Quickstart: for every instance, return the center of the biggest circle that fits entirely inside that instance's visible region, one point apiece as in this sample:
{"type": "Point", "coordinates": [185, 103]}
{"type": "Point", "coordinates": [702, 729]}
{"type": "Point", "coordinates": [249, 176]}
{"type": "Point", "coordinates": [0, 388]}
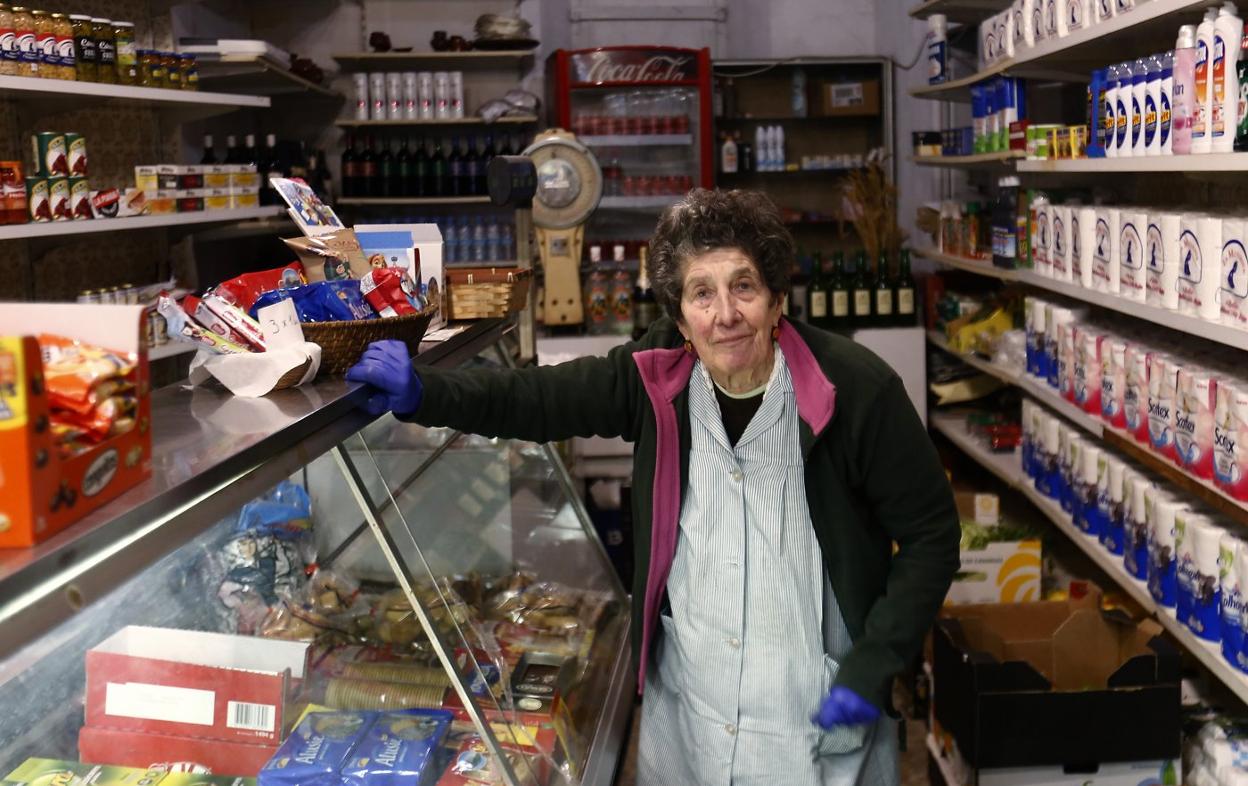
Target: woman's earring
{"type": "Point", "coordinates": [775, 332]}
{"type": "Point", "coordinates": [688, 346]}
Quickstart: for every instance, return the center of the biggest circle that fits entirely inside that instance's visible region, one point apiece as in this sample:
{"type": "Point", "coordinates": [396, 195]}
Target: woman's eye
{"type": "Point", "coordinates": [745, 286]}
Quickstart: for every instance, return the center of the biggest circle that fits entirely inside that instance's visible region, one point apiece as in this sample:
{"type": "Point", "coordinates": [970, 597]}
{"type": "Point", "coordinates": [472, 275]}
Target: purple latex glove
{"type": "Point", "coordinates": [387, 369]}
{"type": "Point", "coordinates": [843, 707]}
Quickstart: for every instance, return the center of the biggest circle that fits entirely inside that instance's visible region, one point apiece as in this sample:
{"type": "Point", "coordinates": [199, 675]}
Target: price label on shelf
{"type": "Point", "coordinates": [280, 324]}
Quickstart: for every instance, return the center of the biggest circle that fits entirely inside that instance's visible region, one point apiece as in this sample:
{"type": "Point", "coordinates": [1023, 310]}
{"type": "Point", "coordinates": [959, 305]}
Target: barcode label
{"type": "Point", "coordinates": [252, 717]}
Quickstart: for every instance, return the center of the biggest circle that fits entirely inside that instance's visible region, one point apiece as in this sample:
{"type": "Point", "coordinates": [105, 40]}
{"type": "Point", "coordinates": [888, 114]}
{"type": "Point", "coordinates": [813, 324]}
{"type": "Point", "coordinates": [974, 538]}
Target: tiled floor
{"type": "Point", "coordinates": [913, 759]}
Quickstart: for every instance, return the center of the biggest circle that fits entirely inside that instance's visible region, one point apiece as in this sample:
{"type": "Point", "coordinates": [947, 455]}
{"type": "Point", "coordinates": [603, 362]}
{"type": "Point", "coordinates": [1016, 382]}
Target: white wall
{"type": "Point", "coordinates": [792, 28]}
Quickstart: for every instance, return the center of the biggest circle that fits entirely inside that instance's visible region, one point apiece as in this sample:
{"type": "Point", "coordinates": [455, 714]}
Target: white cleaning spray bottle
{"type": "Point", "coordinates": [1202, 141]}
{"type": "Point", "coordinates": [1228, 30]}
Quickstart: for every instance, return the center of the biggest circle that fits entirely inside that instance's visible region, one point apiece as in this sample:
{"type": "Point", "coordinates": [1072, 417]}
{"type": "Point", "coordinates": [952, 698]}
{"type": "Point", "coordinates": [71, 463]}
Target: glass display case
{"type": "Point", "coordinates": [345, 567]}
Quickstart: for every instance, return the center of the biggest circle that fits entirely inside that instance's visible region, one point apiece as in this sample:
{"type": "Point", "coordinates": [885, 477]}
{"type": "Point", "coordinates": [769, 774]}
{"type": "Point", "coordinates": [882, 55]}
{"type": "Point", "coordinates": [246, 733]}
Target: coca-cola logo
{"type": "Point", "coordinates": [606, 66]}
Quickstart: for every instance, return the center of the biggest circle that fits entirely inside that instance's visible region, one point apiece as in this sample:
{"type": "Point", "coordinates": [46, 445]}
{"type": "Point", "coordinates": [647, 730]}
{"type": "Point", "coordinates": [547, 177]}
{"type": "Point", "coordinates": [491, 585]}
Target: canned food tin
{"type": "Point", "coordinates": [411, 96]}
{"type": "Point", "coordinates": [361, 96]}
{"type": "Point", "coordinates": [424, 94]}
{"type": "Point", "coordinates": [76, 147]}
{"type": "Point", "coordinates": [80, 199]}
{"type": "Point", "coordinates": [88, 296]}
{"type": "Point", "coordinates": [162, 329]}
{"type": "Point", "coordinates": [377, 96]}
{"type": "Point", "coordinates": [1059, 143]}
{"type": "Point", "coordinates": [50, 154]}
{"type": "Point", "coordinates": [129, 295]}
{"type": "Point", "coordinates": [37, 202]}
{"type": "Point", "coordinates": [107, 296]}
{"type": "Point", "coordinates": [58, 198]}
{"type": "Point", "coordinates": [394, 96]}
{"type": "Point", "coordinates": [149, 330]}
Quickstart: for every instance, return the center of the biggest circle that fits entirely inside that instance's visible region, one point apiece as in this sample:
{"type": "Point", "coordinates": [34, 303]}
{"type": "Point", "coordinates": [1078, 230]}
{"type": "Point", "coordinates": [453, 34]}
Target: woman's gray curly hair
{"type": "Point", "coordinates": [706, 220]}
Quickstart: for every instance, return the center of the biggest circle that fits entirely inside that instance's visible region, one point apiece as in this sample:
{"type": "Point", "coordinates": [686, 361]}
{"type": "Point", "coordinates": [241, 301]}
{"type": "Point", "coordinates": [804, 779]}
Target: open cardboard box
{"type": "Point", "coordinates": [194, 684]}
{"type": "Point", "coordinates": [1054, 683]}
{"type": "Point", "coordinates": [1000, 572]}
{"type": "Point", "coordinates": [41, 493]}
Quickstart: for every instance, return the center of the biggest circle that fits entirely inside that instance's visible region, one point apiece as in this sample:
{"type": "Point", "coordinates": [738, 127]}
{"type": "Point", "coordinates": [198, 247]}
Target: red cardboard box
{"type": "Point", "coordinates": [40, 492]}
{"type": "Point", "coordinates": [193, 684]}
{"type": "Point", "coordinates": [141, 749]}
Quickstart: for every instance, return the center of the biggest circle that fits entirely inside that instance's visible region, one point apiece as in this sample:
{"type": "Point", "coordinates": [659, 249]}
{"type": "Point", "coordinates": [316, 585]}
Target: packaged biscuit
{"type": "Point", "coordinates": [324, 301]}
{"type": "Point", "coordinates": [317, 750]}
{"type": "Point", "coordinates": [183, 328]}
{"type": "Point", "coordinates": [398, 749]}
{"type": "Point", "coordinates": [243, 290]}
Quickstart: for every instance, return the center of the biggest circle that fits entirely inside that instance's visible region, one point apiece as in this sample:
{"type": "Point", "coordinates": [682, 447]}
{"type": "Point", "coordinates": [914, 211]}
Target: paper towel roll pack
{"type": "Point", "coordinates": [1161, 386]}
{"type": "Point", "coordinates": [1113, 381]}
{"type": "Point", "coordinates": [1106, 266]}
{"type": "Point", "coordinates": [1195, 400]}
{"type": "Point", "coordinates": [1230, 437]}
{"type": "Point", "coordinates": [1132, 278]}
{"type": "Point", "coordinates": [1233, 294]}
{"type": "Point", "coordinates": [1200, 266]}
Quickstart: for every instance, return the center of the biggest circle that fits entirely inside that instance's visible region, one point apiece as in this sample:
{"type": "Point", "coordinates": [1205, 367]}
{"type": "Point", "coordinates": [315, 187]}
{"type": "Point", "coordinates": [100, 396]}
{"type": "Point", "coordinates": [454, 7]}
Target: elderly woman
{"type": "Point", "coordinates": [775, 467]}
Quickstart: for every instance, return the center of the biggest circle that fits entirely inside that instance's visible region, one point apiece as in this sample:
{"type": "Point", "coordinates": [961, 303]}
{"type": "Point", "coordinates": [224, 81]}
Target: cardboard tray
{"type": "Point", "coordinates": [1056, 683]}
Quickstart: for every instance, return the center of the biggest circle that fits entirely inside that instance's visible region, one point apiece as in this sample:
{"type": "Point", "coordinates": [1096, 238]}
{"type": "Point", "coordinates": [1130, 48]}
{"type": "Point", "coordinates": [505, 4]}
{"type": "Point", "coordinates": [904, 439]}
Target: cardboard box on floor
{"type": "Point", "coordinates": [1054, 683]}
{"type": "Point", "coordinates": [1001, 572]}
{"type": "Point", "coordinates": [1164, 773]}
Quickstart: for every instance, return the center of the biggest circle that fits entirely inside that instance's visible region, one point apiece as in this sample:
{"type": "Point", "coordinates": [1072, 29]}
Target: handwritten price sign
{"type": "Point", "coordinates": [280, 324]}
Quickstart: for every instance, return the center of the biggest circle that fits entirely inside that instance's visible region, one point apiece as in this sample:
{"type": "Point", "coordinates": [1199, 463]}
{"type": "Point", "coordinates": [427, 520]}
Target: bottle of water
{"type": "Point", "coordinates": [450, 241]}
{"type": "Point", "coordinates": [506, 243]}
{"type": "Point", "coordinates": [462, 238]}
{"type": "Point", "coordinates": [478, 240]}
{"type": "Point", "coordinates": [492, 237]}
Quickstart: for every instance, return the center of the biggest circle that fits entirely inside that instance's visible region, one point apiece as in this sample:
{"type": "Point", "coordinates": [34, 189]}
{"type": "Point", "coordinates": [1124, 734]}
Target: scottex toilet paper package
{"type": "Point", "coordinates": [1088, 368]}
{"type": "Point", "coordinates": [1230, 430]}
{"type": "Point", "coordinates": [1162, 373]}
{"type": "Point", "coordinates": [1135, 546]}
{"type": "Point", "coordinates": [1162, 255]}
{"type": "Point", "coordinates": [1131, 255]}
{"type": "Point", "coordinates": [1230, 549]}
{"type": "Point", "coordinates": [1195, 400]}
{"type": "Point", "coordinates": [1162, 583]}
{"type": "Point", "coordinates": [1066, 360]}
{"type": "Point", "coordinates": [1200, 266]}
{"type": "Point", "coordinates": [1105, 267]}
{"type": "Point", "coordinates": [1114, 381]}
{"type": "Point", "coordinates": [1233, 297]}
{"type": "Point", "coordinates": [1135, 391]}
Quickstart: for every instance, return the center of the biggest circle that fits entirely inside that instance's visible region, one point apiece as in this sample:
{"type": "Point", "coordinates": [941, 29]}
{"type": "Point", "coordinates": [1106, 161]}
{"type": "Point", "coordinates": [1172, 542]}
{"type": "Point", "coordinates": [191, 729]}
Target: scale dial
{"type": "Point", "coordinates": [569, 181]}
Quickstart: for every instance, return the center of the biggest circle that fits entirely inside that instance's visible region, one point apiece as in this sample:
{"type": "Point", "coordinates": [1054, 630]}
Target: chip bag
{"type": "Point", "coordinates": [324, 301]}
{"type": "Point", "coordinates": [243, 290]}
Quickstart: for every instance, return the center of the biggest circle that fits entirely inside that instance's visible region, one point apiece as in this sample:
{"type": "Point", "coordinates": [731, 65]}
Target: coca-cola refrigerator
{"type": "Point", "coordinates": [645, 111]}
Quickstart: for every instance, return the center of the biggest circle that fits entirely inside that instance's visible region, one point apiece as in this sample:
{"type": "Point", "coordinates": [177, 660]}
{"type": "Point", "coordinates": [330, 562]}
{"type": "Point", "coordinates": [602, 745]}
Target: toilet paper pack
{"type": "Point", "coordinates": [1052, 28]}
{"type": "Point", "coordinates": [1162, 371]}
{"type": "Point", "coordinates": [1105, 267]}
{"type": "Point", "coordinates": [1204, 584]}
{"type": "Point", "coordinates": [1071, 462]}
{"type": "Point", "coordinates": [1113, 381]}
{"type": "Point", "coordinates": [1055, 319]}
{"type": "Point", "coordinates": [1195, 401]}
{"type": "Point", "coordinates": [1088, 369]}
{"type": "Point", "coordinates": [1162, 256]}
{"type": "Point", "coordinates": [1110, 502]}
{"type": "Point", "coordinates": [1135, 545]}
{"type": "Point", "coordinates": [1233, 297]}
{"type": "Point", "coordinates": [1027, 447]}
{"type": "Point", "coordinates": [1131, 273]}
{"type": "Point", "coordinates": [1084, 256]}
{"type": "Point", "coordinates": [1051, 471]}
{"type": "Point", "coordinates": [1041, 236]}
{"type": "Point", "coordinates": [1230, 549]}
{"type": "Point", "coordinates": [1135, 391]}
{"type": "Point", "coordinates": [1065, 232]}
{"type": "Point", "coordinates": [1073, 16]}
{"type": "Point", "coordinates": [1200, 266]}
{"type": "Point", "coordinates": [1087, 515]}
{"type": "Point", "coordinates": [1162, 583]}
{"type": "Point", "coordinates": [1066, 360]}
{"type": "Point", "coordinates": [1230, 437]}
{"type": "Point", "coordinates": [1184, 563]}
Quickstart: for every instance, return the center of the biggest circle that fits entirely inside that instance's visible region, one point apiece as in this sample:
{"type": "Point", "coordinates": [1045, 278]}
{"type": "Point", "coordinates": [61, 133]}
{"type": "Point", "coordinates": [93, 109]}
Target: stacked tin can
{"type": "Point", "coordinates": [58, 190]}
{"type": "Point", "coordinates": [409, 95]}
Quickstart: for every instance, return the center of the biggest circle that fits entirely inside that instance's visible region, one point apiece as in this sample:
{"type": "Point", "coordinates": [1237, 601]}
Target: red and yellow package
{"type": "Point", "coordinates": [79, 375]}
{"type": "Point", "coordinates": [389, 291]}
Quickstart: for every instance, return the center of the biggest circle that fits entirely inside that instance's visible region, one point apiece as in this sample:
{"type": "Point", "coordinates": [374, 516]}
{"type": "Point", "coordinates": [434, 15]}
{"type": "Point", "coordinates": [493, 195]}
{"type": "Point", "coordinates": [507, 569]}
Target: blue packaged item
{"type": "Point", "coordinates": [1068, 483]}
{"type": "Point", "coordinates": [398, 749]}
{"type": "Point", "coordinates": [978, 118]}
{"type": "Point", "coordinates": [1162, 580]}
{"type": "Point", "coordinates": [1096, 113]}
{"type": "Point", "coordinates": [1113, 532]}
{"type": "Point", "coordinates": [1167, 84]}
{"type": "Point", "coordinates": [1139, 76]}
{"type": "Point", "coordinates": [1135, 548]}
{"type": "Point", "coordinates": [324, 301]}
{"type": "Point", "coordinates": [1122, 109]}
{"type": "Point", "coordinates": [283, 512]}
{"type": "Point", "coordinates": [317, 750]}
{"type": "Point", "coordinates": [1050, 356]}
{"type": "Point", "coordinates": [1232, 628]}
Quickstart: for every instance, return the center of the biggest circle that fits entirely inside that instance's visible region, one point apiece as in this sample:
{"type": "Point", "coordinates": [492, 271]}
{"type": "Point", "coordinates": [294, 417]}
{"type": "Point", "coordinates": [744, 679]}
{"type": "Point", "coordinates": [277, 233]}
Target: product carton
{"type": "Point", "coordinates": [138, 749]}
{"type": "Point", "coordinates": [993, 571]}
{"type": "Point", "coordinates": [40, 492]}
{"type": "Point", "coordinates": [843, 99]}
{"type": "Point", "coordinates": [1054, 683]}
{"type": "Point", "coordinates": [192, 684]}
{"type": "Point", "coordinates": [1164, 772]}
{"type": "Point", "coordinates": [425, 268]}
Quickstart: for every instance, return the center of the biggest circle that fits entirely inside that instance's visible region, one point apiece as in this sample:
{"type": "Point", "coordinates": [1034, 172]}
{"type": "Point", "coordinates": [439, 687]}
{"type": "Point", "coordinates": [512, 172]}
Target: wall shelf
{"type": "Point", "coordinates": [67, 228]}
{"type": "Point", "coordinates": [381, 201]}
{"type": "Point", "coordinates": [1205, 162]}
{"type": "Point", "coordinates": [431, 61]}
{"type": "Point", "coordinates": [1006, 158]}
{"type": "Point", "coordinates": [1192, 326]}
{"type": "Point", "coordinates": [1072, 58]}
{"type": "Point", "coordinates": [57, 94]}
{"type": "Point", "coordinates": [959, 10]}
{"type": "Point", "coordinates": [636, 140]}
{"type": "Point", "coordinates": [258, 76]}
{"type": "Point", "coordinates": [1008, 467]}
{"type": "Point", "coordinates": [459, 121]}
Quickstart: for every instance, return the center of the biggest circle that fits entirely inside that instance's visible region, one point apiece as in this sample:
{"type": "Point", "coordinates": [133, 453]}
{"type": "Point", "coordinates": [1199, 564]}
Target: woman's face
{"type": "Point", "coordinates": [727, 313]}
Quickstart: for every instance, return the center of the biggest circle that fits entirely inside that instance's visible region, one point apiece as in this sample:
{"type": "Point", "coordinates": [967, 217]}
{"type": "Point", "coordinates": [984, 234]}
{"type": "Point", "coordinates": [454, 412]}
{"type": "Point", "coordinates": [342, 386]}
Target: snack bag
{"type": "Point", "coordinates": [226, 319]}
{"type": "Point", "coordinates": [390, 291]}
{"type": "Point", "coordinates": [316, 751]}
{"type": "Point", "coordinates": [324, 301]}
{"type": "Point", "coordinates": [183, 328]}
{"type": "Point", "coordinates": [243, 290]}
{"type": "Point", "coordinates": [398, 749]}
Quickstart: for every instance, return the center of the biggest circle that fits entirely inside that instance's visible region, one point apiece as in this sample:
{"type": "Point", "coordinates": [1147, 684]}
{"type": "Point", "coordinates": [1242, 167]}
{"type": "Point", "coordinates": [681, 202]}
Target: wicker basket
{"type": "Point", "coordinates": [484, 292]}
{"type": "Point", "coordinates": [342, 343]}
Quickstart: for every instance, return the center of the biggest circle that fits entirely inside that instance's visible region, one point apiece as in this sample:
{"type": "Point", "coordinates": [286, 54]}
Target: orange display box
{"type": "Point", "coordinates": [41, 493]}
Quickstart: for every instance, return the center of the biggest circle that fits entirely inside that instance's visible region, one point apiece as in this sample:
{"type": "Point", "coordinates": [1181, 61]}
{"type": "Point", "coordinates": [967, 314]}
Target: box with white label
{"type": "Point", "coordinates": [192, 684]}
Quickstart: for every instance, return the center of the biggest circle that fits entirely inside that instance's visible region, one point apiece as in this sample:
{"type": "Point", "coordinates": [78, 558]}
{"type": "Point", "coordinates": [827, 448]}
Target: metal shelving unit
{"type": "Point", "coordinates": [430, 61]}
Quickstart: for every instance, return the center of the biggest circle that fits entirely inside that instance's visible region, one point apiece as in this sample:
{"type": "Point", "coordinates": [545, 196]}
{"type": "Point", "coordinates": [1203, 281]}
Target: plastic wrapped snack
{"type": "Point", "coordinates": [225, 319]}
{"type": "Point", "coordinates": [184, 328]}
{"type": "Point", "coordinates": [347, 694]}
{"type": "Point", "coordinates": [324, 301]}
{"type": "Point", "coordinates": [390, 291]}
{"type": "Point", "coordinates": [91, 392]}
{"type": "Point", "coordinates": [326, 610]}
{"type": "Point", "coordinates": [317, 750]}
{"type": "Point", "coordinates": [243, 290]}
{"type": "Point", "coordinates": [399, 749]}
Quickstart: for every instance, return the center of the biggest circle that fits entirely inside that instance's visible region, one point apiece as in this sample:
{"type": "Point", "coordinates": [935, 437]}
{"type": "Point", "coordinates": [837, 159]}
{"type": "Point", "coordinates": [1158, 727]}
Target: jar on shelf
{"type": "Point", "coordinates": [86, 54]}
{"type": "Point", "coordinates": [64, 45]}
{"type": "Point", "coordinates": [8, 42]}
{"type": "Point", "coordinates": [189, 67]}
{"type": "Point", "coordinates": [45, 45]}
{"type": "Point", "coordinates": [172, 70]}
{"type": "Point", "coordinates": [106, 50]}
{"type": "Point", "coordinates": [147, 67]}
{"type": "Point", "coordinates": [127, 59]}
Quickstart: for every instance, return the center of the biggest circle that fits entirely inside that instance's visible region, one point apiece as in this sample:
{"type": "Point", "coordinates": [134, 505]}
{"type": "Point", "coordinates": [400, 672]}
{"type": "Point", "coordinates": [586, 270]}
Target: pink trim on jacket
{"type": "Point", "coordinates": [665, 373]}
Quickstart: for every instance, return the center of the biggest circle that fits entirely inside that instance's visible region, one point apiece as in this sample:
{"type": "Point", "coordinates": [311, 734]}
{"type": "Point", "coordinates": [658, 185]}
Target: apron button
{"type": "Point", "coordinates": [731, 729]}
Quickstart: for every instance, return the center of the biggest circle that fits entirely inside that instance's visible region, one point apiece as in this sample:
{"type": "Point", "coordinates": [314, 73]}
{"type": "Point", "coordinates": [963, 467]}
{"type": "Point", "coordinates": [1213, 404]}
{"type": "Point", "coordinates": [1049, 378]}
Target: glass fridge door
{"type": "Point", "coordinates": [502, 573]}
